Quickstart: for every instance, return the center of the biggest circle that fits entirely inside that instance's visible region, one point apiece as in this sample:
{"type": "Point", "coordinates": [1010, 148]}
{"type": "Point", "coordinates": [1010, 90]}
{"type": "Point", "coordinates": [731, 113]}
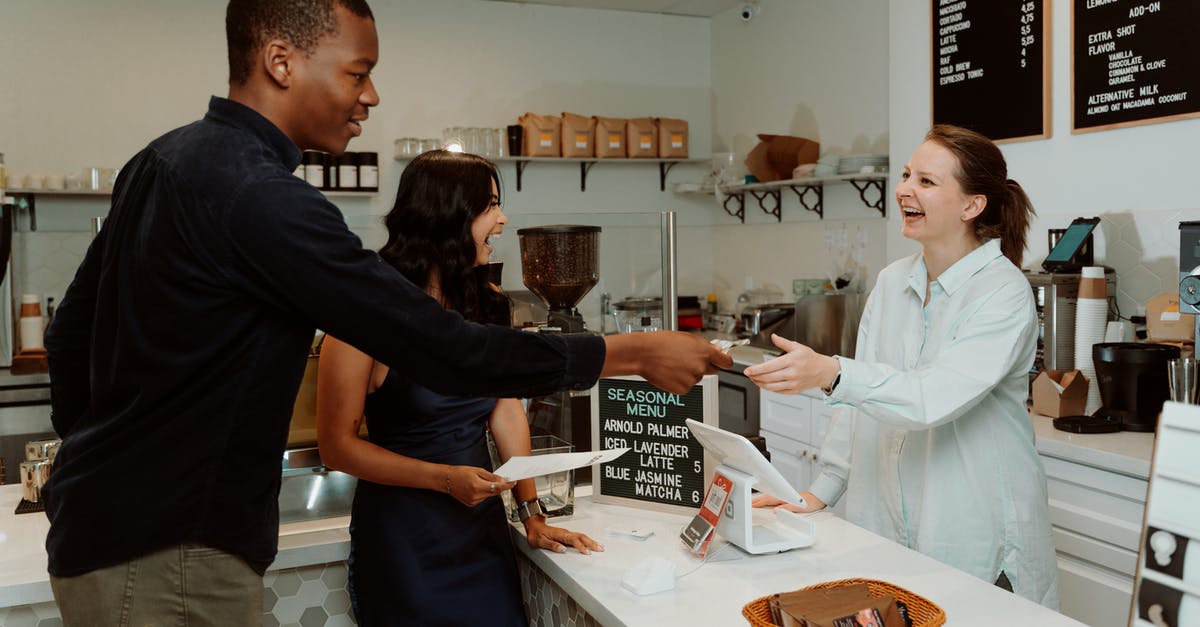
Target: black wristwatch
{"type": "Point", "coordinates": [529, 508]}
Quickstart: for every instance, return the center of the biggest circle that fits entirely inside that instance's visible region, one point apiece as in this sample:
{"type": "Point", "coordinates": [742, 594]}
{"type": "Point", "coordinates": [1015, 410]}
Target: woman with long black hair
{"type": "Point", "coordinates": [429, 540]}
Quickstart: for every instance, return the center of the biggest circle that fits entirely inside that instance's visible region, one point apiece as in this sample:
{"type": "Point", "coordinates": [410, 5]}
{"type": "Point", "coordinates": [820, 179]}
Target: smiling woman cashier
{"type": "Point", "coordinates": [931, 442]}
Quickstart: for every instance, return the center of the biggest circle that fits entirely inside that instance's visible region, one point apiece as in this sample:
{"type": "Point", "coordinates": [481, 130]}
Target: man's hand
{"type": "Point", "coordinates": [671, 360]}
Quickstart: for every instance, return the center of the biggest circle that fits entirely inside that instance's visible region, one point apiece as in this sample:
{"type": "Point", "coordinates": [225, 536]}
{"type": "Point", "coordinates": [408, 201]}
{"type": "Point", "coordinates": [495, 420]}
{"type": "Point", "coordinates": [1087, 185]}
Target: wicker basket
{"type": "Point", "coordinates": [922, 611]}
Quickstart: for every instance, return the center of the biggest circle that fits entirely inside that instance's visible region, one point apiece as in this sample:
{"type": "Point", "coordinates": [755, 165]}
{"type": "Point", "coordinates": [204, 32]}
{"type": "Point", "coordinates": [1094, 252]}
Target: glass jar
{"type": "Point", "coordinates": [500, 136]}
{"type": "Point", "coordinates": [407, 147]}
{"type": "Point", "coordinates": [471, 140]}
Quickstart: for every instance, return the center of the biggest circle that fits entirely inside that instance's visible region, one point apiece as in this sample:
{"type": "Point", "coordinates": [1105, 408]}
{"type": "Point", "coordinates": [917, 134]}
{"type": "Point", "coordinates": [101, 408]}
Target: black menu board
{"type": "Point", "coordinates": [665, 467]}
{"type": "Point", "coordinates": [1133, 62]}
{"type": "Point", "coordinates": [990, 67]}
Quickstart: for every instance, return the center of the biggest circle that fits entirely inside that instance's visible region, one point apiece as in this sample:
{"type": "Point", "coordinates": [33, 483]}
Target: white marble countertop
{"type": "Point", "coordinates": [1124, 452]}
{"type": "Point", "coordinates": [714, 592]}
{"type": "Point", "coordinates": [23, 578]}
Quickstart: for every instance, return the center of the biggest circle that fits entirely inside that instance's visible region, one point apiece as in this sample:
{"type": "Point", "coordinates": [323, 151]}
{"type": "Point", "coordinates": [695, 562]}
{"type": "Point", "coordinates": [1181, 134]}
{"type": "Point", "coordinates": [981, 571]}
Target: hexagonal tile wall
{"type": "Point", "coordinates": [309, 596]}
{"type": "Point", "coordinates": [38, 615]}
{"type": "Point", "coordinates": [546, 604]}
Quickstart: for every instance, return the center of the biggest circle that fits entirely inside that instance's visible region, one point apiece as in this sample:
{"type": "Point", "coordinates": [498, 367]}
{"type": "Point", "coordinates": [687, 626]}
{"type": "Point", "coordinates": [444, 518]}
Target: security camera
{"type": "Point", "coordinates": [748, 10]}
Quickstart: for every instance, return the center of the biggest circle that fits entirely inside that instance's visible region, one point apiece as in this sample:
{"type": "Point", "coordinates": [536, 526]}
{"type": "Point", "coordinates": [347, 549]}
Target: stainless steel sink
{"type": "Point", "coordinates": [310, 491]}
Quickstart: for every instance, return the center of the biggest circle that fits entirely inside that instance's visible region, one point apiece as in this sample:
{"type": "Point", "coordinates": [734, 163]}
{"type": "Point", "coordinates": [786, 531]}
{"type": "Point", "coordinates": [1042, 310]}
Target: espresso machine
{"type": "Point", "coordinates": [1189, 272]}
{"type": "Point", "coordinates": [559, 264]}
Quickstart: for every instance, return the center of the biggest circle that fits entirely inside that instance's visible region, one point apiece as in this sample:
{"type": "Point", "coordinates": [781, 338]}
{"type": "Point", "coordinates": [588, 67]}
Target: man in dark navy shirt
{"type": "Point", "coordinates": [178, 349]}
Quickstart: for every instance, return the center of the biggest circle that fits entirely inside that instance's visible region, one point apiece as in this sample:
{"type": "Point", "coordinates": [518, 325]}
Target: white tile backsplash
{"type": "Point", "coordinates": [44, 262]}
{"type": "Point", "coordinates": [1141, 246]}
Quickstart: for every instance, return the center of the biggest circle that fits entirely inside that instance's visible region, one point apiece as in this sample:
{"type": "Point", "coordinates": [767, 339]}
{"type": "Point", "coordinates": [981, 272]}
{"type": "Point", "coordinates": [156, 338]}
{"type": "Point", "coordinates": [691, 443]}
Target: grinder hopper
{"type": "Point", "coordinates": [560, 264]}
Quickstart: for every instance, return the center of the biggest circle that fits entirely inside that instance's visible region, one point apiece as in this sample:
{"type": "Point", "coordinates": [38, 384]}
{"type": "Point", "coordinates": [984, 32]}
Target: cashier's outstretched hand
{"type": "Point", "coordinates": [557, 539]}
{"type": "Point", "coordinates": [812, 503]}
{"type": "Point", "coordinates": [671, 360]}
{"type": "Point", "coordinates": [799, 368]}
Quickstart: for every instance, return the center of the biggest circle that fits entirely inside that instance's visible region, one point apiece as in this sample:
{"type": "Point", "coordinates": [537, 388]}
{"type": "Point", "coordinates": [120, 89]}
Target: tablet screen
{"type": "Point", "coordinates": [1070, 242]}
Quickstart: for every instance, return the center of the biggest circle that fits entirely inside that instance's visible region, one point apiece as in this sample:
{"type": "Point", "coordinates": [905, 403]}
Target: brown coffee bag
{"type": "Point", "coordinates": [543, 135]}
{"type": "Point", "coordinates": [776, 156]}
{"type": "Point", "coordinates": [672, 138]}
{"type": "Point", "coordinates": [578, 136]}
{"type": "Point", "coordinates": [610, 137]}
{"type": "Point", "coordinates": [641, 136]}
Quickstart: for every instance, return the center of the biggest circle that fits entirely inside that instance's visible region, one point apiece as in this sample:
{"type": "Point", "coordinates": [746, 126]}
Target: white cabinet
{"type": "Point", "coordinates": [794, 426]}
{"type": "Point", "coordinates": [1097, 519]}
{"type": "Point", "coordinates": [1168, 587]}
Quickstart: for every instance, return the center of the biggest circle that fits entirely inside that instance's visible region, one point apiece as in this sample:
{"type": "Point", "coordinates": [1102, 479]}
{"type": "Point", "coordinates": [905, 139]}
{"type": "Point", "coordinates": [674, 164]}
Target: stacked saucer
{"type": "Point", "coordinates": [860, 164]}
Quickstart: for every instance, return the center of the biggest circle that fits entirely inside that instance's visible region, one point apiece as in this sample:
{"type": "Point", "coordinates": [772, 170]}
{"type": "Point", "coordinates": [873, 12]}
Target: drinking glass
{"type": "Point", "coordinates": [1181, 374]}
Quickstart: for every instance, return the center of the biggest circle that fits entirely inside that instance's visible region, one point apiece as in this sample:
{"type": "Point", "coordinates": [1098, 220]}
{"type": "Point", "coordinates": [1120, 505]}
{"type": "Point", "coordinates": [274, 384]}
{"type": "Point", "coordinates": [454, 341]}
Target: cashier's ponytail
{"type": "Point", "coordinates": [983, 171]}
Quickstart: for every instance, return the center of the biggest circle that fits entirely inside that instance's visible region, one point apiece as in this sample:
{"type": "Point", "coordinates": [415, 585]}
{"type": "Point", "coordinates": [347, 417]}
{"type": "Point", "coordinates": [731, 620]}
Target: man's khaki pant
{"type": "Point", "coordinates": [182, 585]}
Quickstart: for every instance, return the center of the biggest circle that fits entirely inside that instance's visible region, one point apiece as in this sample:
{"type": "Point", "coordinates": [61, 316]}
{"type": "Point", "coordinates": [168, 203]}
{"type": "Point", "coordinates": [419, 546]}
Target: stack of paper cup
{"type": "Point", "coordinates": [1091, 322]}
{"type": "Point", "coordinates": [30, 324]}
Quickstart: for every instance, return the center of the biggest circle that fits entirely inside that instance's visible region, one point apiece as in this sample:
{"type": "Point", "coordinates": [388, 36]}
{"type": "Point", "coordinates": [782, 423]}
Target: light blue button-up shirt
{"type": "Point", "coordinates": [931, 417]}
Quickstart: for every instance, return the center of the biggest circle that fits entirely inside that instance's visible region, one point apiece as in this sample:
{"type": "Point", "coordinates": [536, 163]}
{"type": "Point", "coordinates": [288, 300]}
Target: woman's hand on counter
{"type": "Point", "coordinates": [556, 539]}
{"type": "Point", "coordinates": [814, 503]}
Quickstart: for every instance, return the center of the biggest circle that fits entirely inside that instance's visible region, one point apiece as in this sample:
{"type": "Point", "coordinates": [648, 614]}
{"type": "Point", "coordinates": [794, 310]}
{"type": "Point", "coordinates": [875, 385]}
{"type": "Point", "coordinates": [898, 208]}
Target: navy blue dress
{"type": "Point", "coordinates": [421, 557]}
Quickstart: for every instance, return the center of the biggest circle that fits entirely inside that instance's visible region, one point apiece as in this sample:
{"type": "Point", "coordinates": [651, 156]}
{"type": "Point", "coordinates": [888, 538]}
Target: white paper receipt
{"type": "Point", "coordinates": [521, 467]}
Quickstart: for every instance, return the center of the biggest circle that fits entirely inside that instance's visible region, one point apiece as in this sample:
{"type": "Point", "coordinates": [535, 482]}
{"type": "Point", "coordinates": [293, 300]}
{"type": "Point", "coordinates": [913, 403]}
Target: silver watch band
{"type": "Point", "coordinates": [530, 508]}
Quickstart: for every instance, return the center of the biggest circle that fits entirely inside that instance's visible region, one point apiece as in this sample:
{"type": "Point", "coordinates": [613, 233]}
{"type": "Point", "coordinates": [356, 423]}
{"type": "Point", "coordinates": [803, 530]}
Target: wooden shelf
{"type": "Point", "coordinates": [585, 165]}
{"type": "Point", "coordinates": [26, 197]}
{"type": "Point", "coordinates": [108, 192]}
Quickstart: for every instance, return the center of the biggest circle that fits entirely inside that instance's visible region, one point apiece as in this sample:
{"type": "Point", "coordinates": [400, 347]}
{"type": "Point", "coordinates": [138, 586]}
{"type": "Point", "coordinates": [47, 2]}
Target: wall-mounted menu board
{"type": "Point", "coordinates": [990, 67]}
{"type": "Point", "coordinates": [666, 467]}
{"type": "Point", "coordinates": [1133, 62]}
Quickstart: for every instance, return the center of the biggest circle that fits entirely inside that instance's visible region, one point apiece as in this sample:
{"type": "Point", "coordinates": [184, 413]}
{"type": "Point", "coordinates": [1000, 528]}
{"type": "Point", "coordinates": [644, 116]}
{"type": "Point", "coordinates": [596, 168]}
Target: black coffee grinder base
{"type": "Point", "coordinates": [565, 320]}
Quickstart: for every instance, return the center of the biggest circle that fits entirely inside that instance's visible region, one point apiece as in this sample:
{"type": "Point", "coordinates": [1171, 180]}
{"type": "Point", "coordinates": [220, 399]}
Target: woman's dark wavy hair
{"type": "Point", "coordinates": [429, 230]}
{"type": "Point", "coordinates": [982, 170]}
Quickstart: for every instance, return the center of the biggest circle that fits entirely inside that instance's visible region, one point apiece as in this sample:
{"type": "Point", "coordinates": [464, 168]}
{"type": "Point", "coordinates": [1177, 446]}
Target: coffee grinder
{"type": "Point", "coordinates": [559, 264]}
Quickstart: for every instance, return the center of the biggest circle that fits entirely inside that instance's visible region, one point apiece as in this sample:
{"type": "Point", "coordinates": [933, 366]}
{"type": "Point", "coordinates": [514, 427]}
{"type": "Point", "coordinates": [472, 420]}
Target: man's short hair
{"type": "Point", "coordinates": [250, 24]}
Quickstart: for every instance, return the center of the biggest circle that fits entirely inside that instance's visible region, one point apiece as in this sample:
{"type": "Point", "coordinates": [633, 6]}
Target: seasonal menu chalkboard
{"type": "Point", "coordinates": [990, 68]}
{"type": "Point", "coordinates": [1134, 62]}
{"type": "Point", "coordinates": [665, 467]}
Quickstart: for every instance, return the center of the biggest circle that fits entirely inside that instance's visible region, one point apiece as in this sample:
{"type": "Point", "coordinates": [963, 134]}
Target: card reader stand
{"type": "Point", "coordinates": [783, 532]}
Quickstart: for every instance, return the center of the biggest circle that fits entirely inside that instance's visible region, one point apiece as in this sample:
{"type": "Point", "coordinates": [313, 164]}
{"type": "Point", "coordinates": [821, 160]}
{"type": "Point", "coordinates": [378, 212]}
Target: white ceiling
{"type": "Point", "coordinates": [698, 8]}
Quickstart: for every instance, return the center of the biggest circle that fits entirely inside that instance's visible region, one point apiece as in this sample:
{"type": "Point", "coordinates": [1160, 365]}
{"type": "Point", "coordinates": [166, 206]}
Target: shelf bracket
{"type": "Point", "coordinates": [520, 171]}
{"type": "Point", "coordinates": [584, 168]}
{"type": "Point", "coordinates": [862, 187]}
{"type": "Point", "coordinates": [817, 206]}
{"type": "Point", "coordinates": [775, 195]}
{"type": "Point", "coordinates": [740, 214]}
{"type": "Point", "coordinates": [663, 168]}
{"type": "Point", "coordinates": [25, 201]}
